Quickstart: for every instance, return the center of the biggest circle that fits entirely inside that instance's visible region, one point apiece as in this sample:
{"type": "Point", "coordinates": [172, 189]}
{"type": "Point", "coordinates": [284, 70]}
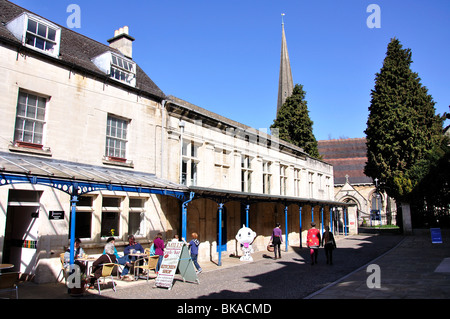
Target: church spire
{"type": "Point", "coordinates": [285, 84]}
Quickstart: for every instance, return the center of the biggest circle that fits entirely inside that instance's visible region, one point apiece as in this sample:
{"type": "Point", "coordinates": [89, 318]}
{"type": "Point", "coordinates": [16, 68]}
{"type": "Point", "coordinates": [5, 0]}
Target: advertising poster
{"type": "Point", "coordinates": [169, 264]}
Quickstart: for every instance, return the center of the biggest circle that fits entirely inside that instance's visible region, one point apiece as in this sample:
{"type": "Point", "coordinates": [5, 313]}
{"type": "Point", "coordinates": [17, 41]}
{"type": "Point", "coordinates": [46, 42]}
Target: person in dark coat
{"type": "Point", "coordinates": [329, 243]}
{"type": "Point", "coordinates": [97, 266]}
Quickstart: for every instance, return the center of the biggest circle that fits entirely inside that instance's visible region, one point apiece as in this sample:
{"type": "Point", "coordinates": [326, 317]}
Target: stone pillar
{"type": "Point", "coordinates": [406, 217]}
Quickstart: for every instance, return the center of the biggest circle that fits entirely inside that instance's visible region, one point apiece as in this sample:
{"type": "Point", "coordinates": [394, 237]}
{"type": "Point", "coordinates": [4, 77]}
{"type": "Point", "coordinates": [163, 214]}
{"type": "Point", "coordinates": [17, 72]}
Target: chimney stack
{"type": "Point", "coordinates": [123, 42]}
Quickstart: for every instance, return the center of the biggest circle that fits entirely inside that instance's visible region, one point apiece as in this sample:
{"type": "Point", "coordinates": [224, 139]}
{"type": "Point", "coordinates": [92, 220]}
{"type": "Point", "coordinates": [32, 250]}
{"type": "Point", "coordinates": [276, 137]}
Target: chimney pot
{"type": "Point", "coordinates": [122, 41]}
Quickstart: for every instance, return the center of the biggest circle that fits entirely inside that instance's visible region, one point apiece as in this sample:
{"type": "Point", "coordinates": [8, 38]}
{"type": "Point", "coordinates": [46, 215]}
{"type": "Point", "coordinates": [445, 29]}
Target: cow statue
{"type": "Point", "coordinates": [245, 237]}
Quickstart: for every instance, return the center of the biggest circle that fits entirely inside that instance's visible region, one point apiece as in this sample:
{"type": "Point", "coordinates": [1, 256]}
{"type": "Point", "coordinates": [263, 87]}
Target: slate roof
{"type": "Point", "coordinates": [348, 157]}
{"type": "Point", "coordinates": [76, 51]}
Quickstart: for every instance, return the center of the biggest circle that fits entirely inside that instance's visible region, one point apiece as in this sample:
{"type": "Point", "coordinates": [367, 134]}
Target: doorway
{"type": "Point", "coordinates": [21, 230]}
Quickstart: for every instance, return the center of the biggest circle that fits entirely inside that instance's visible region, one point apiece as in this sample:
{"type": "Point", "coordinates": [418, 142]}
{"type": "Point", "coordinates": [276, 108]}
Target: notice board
{"type": "Point", "coordinates": [176, 256]}
{"type": "Point", "coordinates": [436, 237]}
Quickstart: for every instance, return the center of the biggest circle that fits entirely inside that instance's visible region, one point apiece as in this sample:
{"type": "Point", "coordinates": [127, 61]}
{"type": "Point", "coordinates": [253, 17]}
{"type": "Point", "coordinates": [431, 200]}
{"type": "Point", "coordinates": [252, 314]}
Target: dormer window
{"type": "Point", "coordinates": [117, 67]}
{"type": "Point", "coordinates": [41, 36]}
{"type": "Point", "coordinates": [122, 69]}
{"type": "Point", "coordinates": [36, 33]}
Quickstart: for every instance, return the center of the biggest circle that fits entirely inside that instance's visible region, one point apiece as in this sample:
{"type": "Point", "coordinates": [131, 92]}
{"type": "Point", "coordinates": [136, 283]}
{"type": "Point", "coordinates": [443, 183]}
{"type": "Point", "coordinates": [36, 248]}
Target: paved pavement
{"type": "Point", "coordinates": [410, 267]}
{"type": "Point", "coordinates": [415, 269]}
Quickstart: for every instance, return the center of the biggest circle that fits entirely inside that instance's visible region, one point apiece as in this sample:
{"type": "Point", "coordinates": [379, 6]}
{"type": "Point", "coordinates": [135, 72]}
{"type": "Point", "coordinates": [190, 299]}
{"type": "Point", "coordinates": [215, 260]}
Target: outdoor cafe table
{"type": "Point", "coordinates": [6, 266]}
{"type": "Point", "coordinates": [87, 260]}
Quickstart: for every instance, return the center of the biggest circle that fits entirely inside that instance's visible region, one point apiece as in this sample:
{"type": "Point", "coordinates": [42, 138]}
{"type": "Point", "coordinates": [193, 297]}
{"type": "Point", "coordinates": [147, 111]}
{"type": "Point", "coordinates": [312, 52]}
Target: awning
{"type": "Point", "coordinates": [76, 179]}
{"type": "Point", "coordinates": [223, 196]}
{"type": "Point", "coordinates": [15, 168]}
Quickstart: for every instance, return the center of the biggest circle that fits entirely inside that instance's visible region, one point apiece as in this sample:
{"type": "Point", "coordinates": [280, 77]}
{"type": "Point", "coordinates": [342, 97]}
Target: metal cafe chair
{"type": "Point", "coordinates": [106, 272]}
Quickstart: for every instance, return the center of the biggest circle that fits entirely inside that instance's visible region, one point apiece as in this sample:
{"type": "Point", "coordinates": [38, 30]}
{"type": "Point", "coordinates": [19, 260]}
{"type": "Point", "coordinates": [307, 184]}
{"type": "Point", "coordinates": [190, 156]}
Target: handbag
{"type": "Point", "coordinates": [270, 248]}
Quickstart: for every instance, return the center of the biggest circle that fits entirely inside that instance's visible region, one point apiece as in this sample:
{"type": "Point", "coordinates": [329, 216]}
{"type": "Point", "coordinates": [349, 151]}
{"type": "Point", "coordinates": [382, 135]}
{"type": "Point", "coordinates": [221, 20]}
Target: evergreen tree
{"type": "Point", "coordinates": [402, 128]}
{"type": "Point", "coordinates": [294, 124]}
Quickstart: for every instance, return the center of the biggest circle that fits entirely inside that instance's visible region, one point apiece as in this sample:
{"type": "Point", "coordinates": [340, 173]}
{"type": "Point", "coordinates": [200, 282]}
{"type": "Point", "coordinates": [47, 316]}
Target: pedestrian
{"type": "Point", "coordinates": [277, 239]}
{"type": "Point", "coordinates": [329, 244]}
{"type": "Point", "coordinates": [158, 242]}
{"type": "Point", "coordinates": [193, 246]}
{"type": "Point", "coordinates": [313, 242]}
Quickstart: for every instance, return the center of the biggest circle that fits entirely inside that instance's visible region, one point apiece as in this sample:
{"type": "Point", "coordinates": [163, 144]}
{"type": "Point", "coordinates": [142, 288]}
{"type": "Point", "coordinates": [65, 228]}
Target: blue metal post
{"type": "Point", "coordinates": [73, 201]}
{"type": "Point", "coordinates": [312, 213]}
{"type": "Point", "coordinates": [247, 208]}
{"type": "Point", "coordinates": [321, 217]}
{"type": "Point", "coordinates": [286, 226]}
{"type": "Point", "coordinates": [219, 241]}
{"type": "Point", "coordinates": [345, 221]}
{"type": "Point", "coordinates": [184, 215]}
{"type": "Point", "coordinates": [300, 224]}
{"type": "Point", "coordinates": [331, 218]}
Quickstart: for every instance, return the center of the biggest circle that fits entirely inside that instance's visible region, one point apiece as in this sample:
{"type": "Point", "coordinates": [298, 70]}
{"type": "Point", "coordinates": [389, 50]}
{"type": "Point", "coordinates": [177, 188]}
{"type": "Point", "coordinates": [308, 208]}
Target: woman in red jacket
{"type": "Point", "coordinates": [313, 242]}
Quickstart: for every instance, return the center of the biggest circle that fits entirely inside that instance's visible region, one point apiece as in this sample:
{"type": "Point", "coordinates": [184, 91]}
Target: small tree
{"type": "Point", "coordinates": [294, 124]}
{"type": "Point", "coordinates": [403, 131]}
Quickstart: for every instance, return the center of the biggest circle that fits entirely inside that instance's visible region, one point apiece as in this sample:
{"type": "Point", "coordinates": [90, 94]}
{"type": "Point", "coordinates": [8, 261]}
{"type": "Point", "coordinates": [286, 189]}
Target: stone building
{"type": "Point", "coordinates": [351, 185]}
{"type": "Point", "coordinates": [91, 147]}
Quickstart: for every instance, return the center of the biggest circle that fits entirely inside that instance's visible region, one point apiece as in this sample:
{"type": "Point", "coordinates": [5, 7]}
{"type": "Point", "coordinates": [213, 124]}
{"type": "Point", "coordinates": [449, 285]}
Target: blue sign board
{"type": "Point", "coordinates": [436, 237]}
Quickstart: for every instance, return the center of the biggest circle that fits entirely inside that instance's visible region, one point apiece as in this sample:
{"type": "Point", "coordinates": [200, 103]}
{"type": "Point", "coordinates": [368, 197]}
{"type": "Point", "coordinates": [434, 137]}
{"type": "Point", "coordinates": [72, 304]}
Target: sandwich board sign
{"type": "Point", "coordinates": [436, 237]}
{"type": "Point", "coordinates": [176, 256]}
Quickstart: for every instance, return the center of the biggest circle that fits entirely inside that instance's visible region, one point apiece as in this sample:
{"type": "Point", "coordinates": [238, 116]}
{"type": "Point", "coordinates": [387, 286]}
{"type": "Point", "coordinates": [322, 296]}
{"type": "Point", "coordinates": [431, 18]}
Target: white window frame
{"type": "Point", "coordinates": [189, 163]}
{"type": "Point", "coordinates": [311, 184]}
{"type": "Point", "coordinates": [283, 179]}
{"type": "Point", "coordinates": [28, 120]}
{"type": "Point", "coordinates": [123, 69]}
{"type": "Point", "coordinates": [137, 210]}
{"type": "Point", "coordinates": [267, 177]}
{"type": "Point", "coordinates": [246, 173]}
{"type": "Point", "coordinates": [222, 166]}
{"type": "Point", "coordinates": [116, 137]}
{"type": "Point", "coordinates": [112, 210]}
{"type": "Point", "coordinates": [19, 28]}
{"type": "Point", "coordinates": [297, 181]}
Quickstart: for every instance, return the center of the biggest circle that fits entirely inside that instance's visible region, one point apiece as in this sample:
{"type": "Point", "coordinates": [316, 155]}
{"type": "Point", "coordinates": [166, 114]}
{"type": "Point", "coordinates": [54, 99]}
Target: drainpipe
{"type": "Point", "coordinates": [184, 215]}
{"type": "Point", "coordinates": [163, 121]}
{"type": "Point", "coordinates": [181, 125]}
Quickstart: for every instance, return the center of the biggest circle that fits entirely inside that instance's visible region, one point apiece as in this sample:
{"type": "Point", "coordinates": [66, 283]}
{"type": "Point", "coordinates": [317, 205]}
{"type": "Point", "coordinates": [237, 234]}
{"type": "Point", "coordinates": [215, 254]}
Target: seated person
{"type": "Point", "coordinates": [79, 252]}
{"type": "Point", "coordinates": [112, 241]}
{"type": "Point", "coordinates": [97, 266]}
{"type": "Point", "coordinates": [127, 259]}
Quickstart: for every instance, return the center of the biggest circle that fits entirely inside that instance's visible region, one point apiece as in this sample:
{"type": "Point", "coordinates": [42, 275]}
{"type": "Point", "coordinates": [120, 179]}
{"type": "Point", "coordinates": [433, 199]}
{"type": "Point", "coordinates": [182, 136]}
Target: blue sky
{"type": "Point", "coordinates": [225, 55]}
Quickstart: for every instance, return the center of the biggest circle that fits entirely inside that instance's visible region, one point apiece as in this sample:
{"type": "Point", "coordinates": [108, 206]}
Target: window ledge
{"type": "Point", "coordinates": [30, 148]}
{"type": "Point", "coordinates": [115, 161]}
